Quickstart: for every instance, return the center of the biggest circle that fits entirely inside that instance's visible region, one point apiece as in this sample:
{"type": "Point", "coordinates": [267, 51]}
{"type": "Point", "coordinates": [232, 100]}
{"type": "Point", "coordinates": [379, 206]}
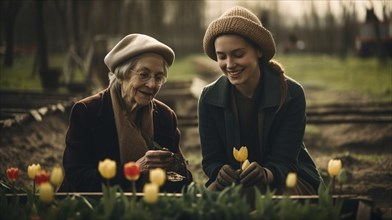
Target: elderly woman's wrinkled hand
{"type": "Point", "coordinates": [156, 159]}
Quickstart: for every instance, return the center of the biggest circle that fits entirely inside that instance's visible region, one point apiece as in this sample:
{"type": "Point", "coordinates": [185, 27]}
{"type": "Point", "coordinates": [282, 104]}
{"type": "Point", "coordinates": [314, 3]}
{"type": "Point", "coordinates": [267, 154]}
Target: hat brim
{"type": "Point", "coordinates": [241, 26]}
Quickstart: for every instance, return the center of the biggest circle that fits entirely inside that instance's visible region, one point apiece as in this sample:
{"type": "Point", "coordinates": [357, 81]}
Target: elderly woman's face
{"type": "Point", "coordinates": [145, 80]}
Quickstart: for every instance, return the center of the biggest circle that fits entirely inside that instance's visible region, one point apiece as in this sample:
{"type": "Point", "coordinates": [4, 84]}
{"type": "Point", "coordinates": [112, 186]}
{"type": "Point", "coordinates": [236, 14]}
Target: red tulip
{"type": "Point", "coordinates": [41, 177]}
{"type": "Point", "coordinates": [12, 174]}
{"type": "Point", "coordinates": [131, 171]}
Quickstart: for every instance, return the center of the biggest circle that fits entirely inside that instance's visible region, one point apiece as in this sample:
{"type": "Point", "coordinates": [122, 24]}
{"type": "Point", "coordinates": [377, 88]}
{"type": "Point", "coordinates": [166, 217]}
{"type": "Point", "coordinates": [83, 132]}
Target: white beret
{"type": "Point", "coordinates": [136, 44]}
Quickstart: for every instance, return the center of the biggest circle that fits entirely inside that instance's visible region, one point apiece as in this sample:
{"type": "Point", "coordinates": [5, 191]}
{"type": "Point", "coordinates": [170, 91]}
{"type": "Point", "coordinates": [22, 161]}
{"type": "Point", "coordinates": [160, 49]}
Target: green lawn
{"type": "Point", "coordinates": [366, 76]}
{"type": "Point", "coordinates": [20, 76]}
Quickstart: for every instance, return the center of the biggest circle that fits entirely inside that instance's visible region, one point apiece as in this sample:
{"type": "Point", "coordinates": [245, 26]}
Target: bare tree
{"type": "Point", "coordinates": [349, 28]}
{"type": "Point", "coordinates": [315, 28]}
{"type": "Point", "coordinates": [9, 11]}
{"type": "Point", "coordinates": [42, 52]}
{"type": "Point", "coordinates": [330, 32]}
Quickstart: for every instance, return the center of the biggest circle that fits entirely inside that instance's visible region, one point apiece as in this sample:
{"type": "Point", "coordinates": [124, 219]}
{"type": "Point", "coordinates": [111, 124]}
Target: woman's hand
{"type": "Point", "coordinates": [226, 177]}
{"type": "Point", "coordinates": [156, 159]}
{"type": "Point", "coordinates": [254, 174]}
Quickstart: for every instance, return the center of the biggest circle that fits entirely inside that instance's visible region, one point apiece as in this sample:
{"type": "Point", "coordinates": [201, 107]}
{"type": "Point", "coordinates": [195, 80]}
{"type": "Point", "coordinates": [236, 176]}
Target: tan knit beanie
{"type": "Point", "coordinates": [241, 21]}
{"type": "Point", "coordinates": [136, 44]}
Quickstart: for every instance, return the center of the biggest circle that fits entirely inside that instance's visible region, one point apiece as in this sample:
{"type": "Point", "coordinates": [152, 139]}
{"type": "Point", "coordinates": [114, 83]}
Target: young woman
{"type": "Point", "coordinates": [253, 104]}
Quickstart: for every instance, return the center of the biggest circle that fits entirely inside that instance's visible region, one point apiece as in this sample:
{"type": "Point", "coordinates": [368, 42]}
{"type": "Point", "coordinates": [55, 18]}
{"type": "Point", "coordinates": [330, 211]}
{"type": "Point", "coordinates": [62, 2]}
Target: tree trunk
{"type": "Point", "coordinates": [49, 78]}
{"type": "Point", "coordinates": [41, 39]}
{"type": "Point", "coordinates": [9, 46]}
{"type": "Point", "coordinates": [10, 10]}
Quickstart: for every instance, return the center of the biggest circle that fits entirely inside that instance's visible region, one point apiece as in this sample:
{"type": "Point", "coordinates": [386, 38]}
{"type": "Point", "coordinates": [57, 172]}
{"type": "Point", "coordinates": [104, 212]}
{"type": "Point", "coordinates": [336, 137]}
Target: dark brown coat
{"type": "Point", "coordinates": [92, 137]}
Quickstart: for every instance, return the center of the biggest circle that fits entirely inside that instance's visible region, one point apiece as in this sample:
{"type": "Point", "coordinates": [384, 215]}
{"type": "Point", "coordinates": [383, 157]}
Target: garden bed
{"type": "Point", "coordinates": [113, 204]}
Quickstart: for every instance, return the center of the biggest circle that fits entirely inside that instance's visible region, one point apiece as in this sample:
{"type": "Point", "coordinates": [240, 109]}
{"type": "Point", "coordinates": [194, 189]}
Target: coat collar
{"type": "Point", "coordinates": [218, 92]}
{"type": "Point", "coordinates": [105, 111]}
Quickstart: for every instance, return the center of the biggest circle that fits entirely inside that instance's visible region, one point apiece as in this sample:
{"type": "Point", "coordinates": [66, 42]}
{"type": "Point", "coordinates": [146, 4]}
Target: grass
{"type": "Point", "coordinates": [365, 76]}
{"type": "Point", "coordinates": [374, 158]}
{"type": "Point", "coordinates": [20, 76]}
{"type": "Point", "coordinates": [183, 69]}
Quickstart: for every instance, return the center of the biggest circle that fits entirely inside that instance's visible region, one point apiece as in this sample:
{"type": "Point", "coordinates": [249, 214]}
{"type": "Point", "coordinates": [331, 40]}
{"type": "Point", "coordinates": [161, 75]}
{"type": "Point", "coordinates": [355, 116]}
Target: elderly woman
{"type": "Point", "coordinates": [125, 122]}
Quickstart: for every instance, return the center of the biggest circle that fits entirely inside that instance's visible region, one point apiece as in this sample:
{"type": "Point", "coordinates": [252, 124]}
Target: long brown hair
{"type": "Point", "coordinates": [278, 69]}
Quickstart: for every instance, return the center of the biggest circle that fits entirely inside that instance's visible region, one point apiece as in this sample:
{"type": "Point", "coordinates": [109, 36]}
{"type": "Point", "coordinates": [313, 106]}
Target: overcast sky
{"type": "Point", "coordinates": [296, 8]}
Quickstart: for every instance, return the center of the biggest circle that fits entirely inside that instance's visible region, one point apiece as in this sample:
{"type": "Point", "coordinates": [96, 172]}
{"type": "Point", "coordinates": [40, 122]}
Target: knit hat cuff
{"type": "Point", "coordinates": [241, 26]}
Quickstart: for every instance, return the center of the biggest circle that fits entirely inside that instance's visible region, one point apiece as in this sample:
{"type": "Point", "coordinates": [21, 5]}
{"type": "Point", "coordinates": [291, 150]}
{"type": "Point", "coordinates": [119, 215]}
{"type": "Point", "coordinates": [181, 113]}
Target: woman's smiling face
{"type": "Point", "coordinates": [237, 58]}
{"type": "Point", "coordinates": [144, 81]}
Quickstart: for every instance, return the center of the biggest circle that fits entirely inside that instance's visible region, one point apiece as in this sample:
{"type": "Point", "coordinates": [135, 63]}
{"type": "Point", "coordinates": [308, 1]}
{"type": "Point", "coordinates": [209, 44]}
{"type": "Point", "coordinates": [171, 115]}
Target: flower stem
{"type": "Point", "coordinates": [340, 189]}
{"type": "Point", "coordinates": [333, 185]}
{"type": "Point", "coordinates": [134, 189]}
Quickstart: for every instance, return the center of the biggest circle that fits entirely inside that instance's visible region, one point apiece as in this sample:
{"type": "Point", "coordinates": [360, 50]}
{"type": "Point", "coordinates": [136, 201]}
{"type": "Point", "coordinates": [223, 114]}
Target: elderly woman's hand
{"type": "Point", "coordinates": [156, 158]}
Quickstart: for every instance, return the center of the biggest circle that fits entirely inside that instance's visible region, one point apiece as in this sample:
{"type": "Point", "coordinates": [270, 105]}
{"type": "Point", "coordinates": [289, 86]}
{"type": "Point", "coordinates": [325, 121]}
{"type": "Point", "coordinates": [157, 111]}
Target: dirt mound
{"type": "Point", "coordinates": [34, 142]}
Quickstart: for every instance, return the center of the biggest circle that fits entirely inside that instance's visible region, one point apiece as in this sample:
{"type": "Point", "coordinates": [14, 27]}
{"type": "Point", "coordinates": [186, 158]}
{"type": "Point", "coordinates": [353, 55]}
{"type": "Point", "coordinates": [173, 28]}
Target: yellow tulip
{"type": "Point", "coordinates": [57, 176]}
{"type": "Point", "coordinates": [32, 170]}
{"type": "Point", "coordinates": [157, 176]}
{"type": "Point", "coordinates": [334, 167]}
{"type": "Point", "coordinates": [291, 180]}
{"type": "Point", "coordinates": [107, 168]}
{"type": "Point", "coordinates": [240, 155]}
{"type": "Point", "coordinates": [46, 192]}
{"type": "Point", "coordinates": [245, 165]}
{"type": "Point", "coordinates": [151, 193]}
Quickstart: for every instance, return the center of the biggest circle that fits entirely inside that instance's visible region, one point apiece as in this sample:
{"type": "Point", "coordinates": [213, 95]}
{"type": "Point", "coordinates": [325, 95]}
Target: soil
{"type": "Point", "coordinates": [365, 151]}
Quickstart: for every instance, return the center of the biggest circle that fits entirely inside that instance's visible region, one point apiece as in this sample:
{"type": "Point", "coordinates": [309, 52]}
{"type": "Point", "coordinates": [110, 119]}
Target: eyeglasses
{"type": "Point", "coordinates": [145, 76]}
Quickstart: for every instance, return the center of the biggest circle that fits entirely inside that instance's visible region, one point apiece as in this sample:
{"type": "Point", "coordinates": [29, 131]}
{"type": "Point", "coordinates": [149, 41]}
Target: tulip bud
{"type": "Point", "coordinates": [291, 180]}
{"type": "Point", "coordinates": [151, 193]}
{"type": "Point", "coordinates": [334, 167]}
{"type": "Point", "coordinates": [32, 170]}
{"type": "Point", "coordinates": [342, 177]}
{"type": "Point", "coordinates": [157, 176]}
{"type": "Point", "coordinates": [46, 192]}
{"type": "Point", "coordinates": [240, 155]}
{"type": "Point", "coordinates": [107, 168]}
{"type": "Point", "coordinates": [131, 171]}
{"type": "Point", "coordinates": [41, 177]}
{"type": "Point", "coordinates": [245, 165]}
{"type": "Point", "coordinates": [57, 176]}
{"type": "Point", "coordinates": [12, 174]}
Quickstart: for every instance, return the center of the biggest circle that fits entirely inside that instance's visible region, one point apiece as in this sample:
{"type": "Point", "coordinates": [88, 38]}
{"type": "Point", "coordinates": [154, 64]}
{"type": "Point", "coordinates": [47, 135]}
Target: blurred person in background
{"type": "Point", "coordinates": [253, 104]}
{"type": "Point", "coordinates": [126, 123]}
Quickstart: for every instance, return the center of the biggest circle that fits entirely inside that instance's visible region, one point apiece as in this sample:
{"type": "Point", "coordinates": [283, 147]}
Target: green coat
{"type": "Point", "coordinates": [282, 150]}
